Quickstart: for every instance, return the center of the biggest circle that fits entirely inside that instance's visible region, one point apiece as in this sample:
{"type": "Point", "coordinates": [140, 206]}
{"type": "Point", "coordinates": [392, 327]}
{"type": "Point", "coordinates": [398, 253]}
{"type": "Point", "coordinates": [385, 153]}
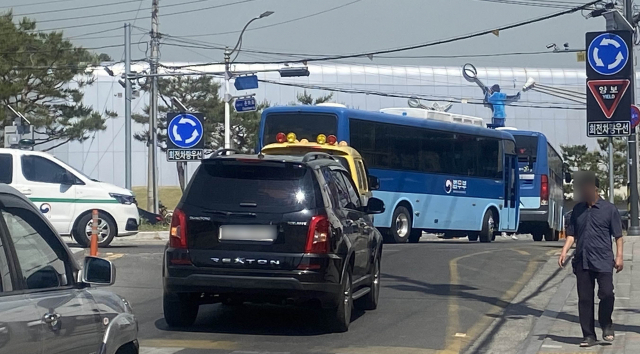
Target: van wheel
{"type": "Point", "coordinates": [180, 310]}
{"type": "Point", "coordinates": [537, 236]}
{"type": "Point", "coordinates": [340, 317]}
{"type": "Point", "coordinates": [106, 230]}
{"type": "Point", "coordinates": [400, 226]}
{"type": "Point", "coordinates": [488, 227]}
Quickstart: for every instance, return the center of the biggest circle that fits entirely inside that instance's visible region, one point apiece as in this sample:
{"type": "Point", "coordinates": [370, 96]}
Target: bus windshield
{"type": "Point", "coordinates": [305, 125]}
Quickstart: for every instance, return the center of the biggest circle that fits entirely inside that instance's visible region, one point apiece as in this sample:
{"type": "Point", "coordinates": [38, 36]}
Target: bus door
{"type": "Point", "coordinates": [511, 191]}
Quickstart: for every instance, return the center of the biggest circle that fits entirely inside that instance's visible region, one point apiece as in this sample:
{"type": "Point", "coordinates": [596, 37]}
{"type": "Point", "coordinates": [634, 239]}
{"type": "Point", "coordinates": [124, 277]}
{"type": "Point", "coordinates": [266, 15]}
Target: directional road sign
{"type": "Point", "coordinates": [246, 82]}
{"type": "Point", "coordinates": [245, 104]}
{"type": "Point", "coordinates": [185, 132]}
{"type": "Point", "coordinates": [608, 54]}
{"type": "Point", "coordinates": [608, 79]}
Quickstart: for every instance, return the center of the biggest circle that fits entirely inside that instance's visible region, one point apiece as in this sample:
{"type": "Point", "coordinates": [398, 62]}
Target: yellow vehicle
{"type": "Point", "coordinates": [349, 157]}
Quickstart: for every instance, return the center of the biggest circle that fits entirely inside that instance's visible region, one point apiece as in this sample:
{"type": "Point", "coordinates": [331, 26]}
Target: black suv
{"type": "Point", "coordinates": [277, 229]}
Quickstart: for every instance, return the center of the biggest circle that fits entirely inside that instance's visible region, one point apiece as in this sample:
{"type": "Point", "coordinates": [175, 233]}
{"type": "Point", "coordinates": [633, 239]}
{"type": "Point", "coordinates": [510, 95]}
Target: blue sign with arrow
{"type": "Point", "coordinates": [185, 131]}
{"type": "Point", "coordinates": [245, 104]}
{"type": "Point", "coordinates": [608, 54]}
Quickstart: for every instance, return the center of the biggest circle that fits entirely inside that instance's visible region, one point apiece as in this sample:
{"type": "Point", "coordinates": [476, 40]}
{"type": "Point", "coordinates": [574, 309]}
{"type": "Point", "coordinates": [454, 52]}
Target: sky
{"type": "Point", "coordinates": [326, 27]}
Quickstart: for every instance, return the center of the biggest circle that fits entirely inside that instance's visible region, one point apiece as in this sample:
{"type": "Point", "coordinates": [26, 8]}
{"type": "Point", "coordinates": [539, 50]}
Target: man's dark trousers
{"type": "Point", "coordinates": [586, 280]}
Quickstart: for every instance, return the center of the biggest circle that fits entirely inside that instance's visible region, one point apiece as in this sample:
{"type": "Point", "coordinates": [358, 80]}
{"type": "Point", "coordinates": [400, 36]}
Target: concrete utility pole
{"type": "Point", "coordinates": [127, 106]}
{"type": "Point", "coordinates": [634, 228]}
{"type": "Point", "coordinates": [152, 180]}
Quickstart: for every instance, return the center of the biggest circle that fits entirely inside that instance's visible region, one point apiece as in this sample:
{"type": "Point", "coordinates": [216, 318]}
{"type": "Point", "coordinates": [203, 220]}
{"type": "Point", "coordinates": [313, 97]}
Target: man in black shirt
{"type": "Point", "coordinates": [592, 223]}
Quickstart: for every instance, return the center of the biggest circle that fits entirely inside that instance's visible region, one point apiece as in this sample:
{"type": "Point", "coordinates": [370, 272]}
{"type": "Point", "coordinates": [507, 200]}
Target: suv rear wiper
{"type": "Point", "coordinates": [230, 213]}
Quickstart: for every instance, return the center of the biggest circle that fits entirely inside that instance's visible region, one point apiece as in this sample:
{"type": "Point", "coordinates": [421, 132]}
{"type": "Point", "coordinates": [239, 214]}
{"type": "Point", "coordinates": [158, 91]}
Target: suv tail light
{"type": "Point", "coordinates": [544, 190]}
{"type": "Point", "coordinates": [318, 236]}
{"type": "Point", "coordinates": [178, 233]}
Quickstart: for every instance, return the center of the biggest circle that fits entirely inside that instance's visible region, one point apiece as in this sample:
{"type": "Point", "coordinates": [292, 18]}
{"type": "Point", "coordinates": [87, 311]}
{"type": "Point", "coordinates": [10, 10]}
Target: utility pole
{"type": "Point", "coordinates": [611, 184]}
{"type": "Point", "coordinates": [152, 180]}
{"type": "Point", "coordinates": [634, 228]}
{"type": "Point", "coordinates": [227, 98]}
{"type": "Point", "coordinates": [127, 106]}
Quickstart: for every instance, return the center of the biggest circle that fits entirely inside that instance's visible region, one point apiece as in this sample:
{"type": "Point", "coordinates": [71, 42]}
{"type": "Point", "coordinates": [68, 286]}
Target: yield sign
{"type": "Point", "coordinates": [608, 94]}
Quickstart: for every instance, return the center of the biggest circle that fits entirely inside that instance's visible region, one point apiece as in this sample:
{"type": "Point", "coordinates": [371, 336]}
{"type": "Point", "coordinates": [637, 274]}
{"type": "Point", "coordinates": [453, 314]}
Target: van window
{"type": "Point", "coordinates": [362, 176]}
{"type": "Point", "coordinates": [39, 169]}
{"type": "Point", "coordinates": [6, 172]}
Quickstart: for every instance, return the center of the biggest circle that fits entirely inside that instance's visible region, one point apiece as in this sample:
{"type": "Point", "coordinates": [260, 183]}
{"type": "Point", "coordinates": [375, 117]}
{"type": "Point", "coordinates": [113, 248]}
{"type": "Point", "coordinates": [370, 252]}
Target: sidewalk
{"type": "Point", "coordinates": [558, 330]}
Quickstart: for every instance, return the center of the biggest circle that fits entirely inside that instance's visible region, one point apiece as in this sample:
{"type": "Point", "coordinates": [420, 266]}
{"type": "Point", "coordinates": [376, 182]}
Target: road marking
{"type": "Point", "coordinates": [551, 346]}
{"type": "Point", "coordinates": [460, 335]}
{"type": "Point", "coordinates": [523, 252]}
{"type": "Point", "coordinates": [189, 344]}
{"type": "Point", "coordinates": [455, 344]}
{"type": "Point", "coordinates": [113, 256]}
{"type": "Point", "coordinates": [160, 350]}
{"type": "Point", "coordinates": [387, 350]}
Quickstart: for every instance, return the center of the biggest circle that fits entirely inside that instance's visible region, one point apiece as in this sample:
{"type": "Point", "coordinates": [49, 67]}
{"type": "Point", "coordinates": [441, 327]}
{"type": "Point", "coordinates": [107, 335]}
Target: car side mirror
{"type": "Point", "coordinates": [567, 177]}
{"type": "Point", "coordinates": [98, 271]}
{"type": "Point", "coordinates": [67, 179]}
{"type": "Point", "coordinates": [375, 206]}
{"type": "Point", "coordinates": [374, 183]}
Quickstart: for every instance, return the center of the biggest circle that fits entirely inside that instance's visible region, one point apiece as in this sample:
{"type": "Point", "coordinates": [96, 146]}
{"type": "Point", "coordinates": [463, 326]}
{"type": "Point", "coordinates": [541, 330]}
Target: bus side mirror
{"type": "Point", "coordinates": [567, 177]}
{"type": "Point", "coordinates": [374, 183]}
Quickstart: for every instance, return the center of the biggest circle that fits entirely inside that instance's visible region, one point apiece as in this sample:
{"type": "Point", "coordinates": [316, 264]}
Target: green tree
{"type": "Point", "coordinates": [42, 75]}
{"type": "Point", "coordinates": [201, 94]}
{"type": "Point", "coordinates": [306, 99]}
{"type": "Point", "coordinates": [578, 157]}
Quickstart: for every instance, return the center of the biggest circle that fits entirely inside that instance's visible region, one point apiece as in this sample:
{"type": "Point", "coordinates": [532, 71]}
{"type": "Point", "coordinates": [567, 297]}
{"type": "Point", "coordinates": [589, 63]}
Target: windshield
{"type": "Point", "coordinates": [304, 125]}
{"type": "Point", "coordinates": [273, 187]}
{"type": "Point", "coordinates": [76, 170]}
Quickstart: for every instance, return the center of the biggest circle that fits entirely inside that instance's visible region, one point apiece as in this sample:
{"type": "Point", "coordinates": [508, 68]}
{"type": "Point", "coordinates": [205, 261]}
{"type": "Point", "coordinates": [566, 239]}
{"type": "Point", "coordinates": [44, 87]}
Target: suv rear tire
{"type": "Point", "coordinates": [180, 310]}
{"type": "Point", "coordinates": [340, 317]}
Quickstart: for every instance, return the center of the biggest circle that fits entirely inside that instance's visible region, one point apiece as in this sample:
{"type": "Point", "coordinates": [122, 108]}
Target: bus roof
{"type": "Point", "coordinates": [393, 119]}
{"type": "Point", "coordinates": [525, 132]}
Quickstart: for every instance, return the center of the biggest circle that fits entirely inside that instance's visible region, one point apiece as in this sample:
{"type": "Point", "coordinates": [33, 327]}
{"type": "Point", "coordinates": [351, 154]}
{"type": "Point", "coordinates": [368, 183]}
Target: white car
{"type": "Point", "coordinates": [66, 197]}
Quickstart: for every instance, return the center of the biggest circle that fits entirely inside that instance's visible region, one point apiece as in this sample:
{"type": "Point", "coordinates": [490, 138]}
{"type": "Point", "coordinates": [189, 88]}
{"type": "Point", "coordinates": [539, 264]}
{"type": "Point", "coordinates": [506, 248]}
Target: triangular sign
{"type": "Point", "coordinates": [608, 94]}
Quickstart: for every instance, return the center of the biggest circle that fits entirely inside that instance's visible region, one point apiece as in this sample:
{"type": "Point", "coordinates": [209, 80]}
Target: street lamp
{"type": "Point", "coordinates": [227, 77]}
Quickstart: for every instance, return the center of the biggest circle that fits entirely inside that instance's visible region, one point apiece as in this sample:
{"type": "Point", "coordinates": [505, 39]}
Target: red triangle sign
{"type": "Point", "coordinates": [608, 94]}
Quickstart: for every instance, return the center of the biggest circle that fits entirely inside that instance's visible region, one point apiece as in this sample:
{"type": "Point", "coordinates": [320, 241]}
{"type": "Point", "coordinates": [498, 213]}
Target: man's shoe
{"type": "Point", "coordinates": [608, 334]}
{"type": "Point", "coordinates": [588, 342]}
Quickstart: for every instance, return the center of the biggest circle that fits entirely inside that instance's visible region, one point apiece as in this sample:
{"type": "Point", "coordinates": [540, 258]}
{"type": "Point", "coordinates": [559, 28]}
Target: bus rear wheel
{"type": "Point", "coordinates": [549, 235]}
{"type": "Point", "coordinates": [401, 226]}
{"type": "Point", "coordinates": [473, 236]}
{"type": "Point", "coordinates": [488, 227]}
{"type": "Point", "coordinates": [537, 236]}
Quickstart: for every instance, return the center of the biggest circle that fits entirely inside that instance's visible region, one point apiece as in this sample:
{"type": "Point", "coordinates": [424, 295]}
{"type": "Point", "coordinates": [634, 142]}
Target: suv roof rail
{"type": "Point", "coordinates": [315, 155]}
{"type": "Point", "coordinates": [223, 152]}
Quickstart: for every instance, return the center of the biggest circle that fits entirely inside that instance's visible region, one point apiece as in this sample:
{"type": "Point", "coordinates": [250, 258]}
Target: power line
{"type": "Point", "coordinates": [132, 19]}
{"type": "Point", "coordinates": [527, 3]}
{"type": "Point", "coordinates": [36, 3]}
{"type": "Point", "coordinates": [423, 45]}
{"type": "Point", "coordinates": [75, 8]}
{"type": "Point", "coordinates": [400, 95]}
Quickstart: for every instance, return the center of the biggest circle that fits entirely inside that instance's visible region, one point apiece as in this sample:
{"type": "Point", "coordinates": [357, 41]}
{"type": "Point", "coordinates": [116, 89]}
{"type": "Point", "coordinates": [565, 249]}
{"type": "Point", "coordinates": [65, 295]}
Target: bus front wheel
{"type": "Point", "coordinates": [401, 226]}
{"type": "Point", "coordinates": [488, 227]}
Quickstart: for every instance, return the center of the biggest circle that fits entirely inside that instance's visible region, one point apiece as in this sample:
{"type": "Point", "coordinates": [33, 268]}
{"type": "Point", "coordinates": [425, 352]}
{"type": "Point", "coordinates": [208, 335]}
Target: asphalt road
{"type": "Point", "coordinates": [436, 297]}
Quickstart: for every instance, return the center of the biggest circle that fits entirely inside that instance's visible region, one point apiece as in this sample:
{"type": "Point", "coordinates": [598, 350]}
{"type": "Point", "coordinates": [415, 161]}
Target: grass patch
{"type": "Point", "coordinates": [169, 196]}
{"type": "Point", "coordinates": [144, 226]}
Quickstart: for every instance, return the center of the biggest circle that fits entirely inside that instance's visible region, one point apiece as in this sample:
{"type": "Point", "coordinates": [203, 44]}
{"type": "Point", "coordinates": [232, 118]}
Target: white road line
{"type": "Point", "coordinates": [551, 346]}
{"type": "Point", "coordinates": [149, 350]}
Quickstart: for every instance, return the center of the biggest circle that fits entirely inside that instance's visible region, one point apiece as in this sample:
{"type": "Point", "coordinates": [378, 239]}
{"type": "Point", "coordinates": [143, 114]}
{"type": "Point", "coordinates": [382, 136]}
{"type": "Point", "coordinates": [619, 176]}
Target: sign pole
{"type": "Point", "coordinates": [611, 184]}
{"type": "Point", "coordinates": [634, 228]}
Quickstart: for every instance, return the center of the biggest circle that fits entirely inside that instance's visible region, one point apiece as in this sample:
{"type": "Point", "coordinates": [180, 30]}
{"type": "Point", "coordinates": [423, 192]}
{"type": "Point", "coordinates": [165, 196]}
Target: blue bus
{"type": "Point", "coordinates": [541, 181]}
{"type": "Point", "coordinates": [434, 176]}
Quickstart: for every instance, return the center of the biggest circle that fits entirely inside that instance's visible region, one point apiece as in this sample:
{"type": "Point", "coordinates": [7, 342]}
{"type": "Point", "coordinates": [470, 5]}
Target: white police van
{"type": "Point", "coordinates": [67, 197]}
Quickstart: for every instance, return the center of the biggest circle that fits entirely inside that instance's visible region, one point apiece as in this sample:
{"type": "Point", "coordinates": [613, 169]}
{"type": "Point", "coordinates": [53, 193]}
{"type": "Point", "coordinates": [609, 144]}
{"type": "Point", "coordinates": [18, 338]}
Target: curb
{"type": "Point", "coordinates": [147, 236]}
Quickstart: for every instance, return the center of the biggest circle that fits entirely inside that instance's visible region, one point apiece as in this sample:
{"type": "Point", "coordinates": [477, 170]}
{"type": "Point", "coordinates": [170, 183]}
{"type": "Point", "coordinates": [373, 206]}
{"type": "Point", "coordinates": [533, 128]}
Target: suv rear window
{"type": "Point", "coordinates": [273, 187]}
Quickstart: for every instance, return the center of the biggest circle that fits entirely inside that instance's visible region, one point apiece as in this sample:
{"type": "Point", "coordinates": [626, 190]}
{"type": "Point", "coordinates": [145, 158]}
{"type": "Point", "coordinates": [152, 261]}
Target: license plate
{"type": "Point", "coordinates": [256, 233]}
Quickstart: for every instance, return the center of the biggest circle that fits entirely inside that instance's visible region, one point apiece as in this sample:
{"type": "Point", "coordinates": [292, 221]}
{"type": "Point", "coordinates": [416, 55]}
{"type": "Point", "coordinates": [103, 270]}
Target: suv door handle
{"type": "Point", "coordinates": [25, 191]}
